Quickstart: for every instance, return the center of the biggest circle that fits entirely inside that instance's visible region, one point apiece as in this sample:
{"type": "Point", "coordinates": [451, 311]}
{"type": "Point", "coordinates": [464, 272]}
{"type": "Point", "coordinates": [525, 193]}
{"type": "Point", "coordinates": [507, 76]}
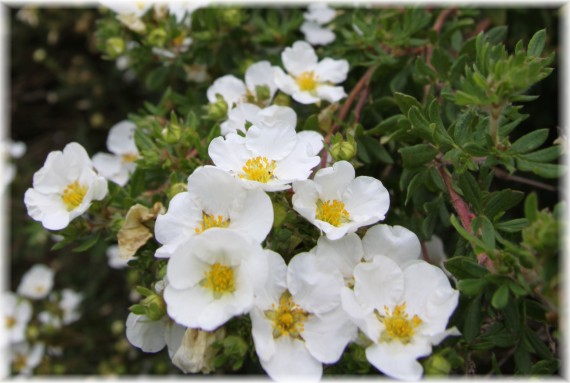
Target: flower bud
{"type": "Point", "coordinates": [542, 235]}
{"type": "Point", "coordinates": [231, 17]}
{"type": "Point", "coordinates": [176, 188]}
{"type": "Point", "coordinates": [172, 133]}
{"type": "Point", "coordinates": [437, 365]}
{"type": "Point", "coordinates": [157, 37]}
{"type": "Point", "coordinates": [342, 150]}
{"type": "Point", "coordinates": [217, 110]}
{"type": "Point", "coordinates": [155, 307]}
{"type": "Point", "coordinates": [262, 92]}
{"type": "Point", "coordinates": [282, 99]}
{"type": "Point", "coordinates": [114, 47]}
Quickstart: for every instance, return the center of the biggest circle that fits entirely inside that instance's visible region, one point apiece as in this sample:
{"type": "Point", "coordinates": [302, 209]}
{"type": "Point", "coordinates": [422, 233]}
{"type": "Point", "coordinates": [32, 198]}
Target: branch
{"type": "Point", "coordinates": [499, 173]}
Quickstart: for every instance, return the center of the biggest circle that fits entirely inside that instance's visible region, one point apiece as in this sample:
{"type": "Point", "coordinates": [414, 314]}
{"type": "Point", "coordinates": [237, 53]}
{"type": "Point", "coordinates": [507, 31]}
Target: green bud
{"type": "Point", "coordinates": [117, 327]}
{"type": "Point", "coordinates": [262, 92]}
{"type": "Point", "coordinates": [437, 365]}
{"type": "Point", "coordinates": [157, 37]}
{"type": "Point", "coordinates": [542, 235]}
{"type": "Point", "coordinates": [172, 133]}
{"type": "Point", "coordinates": [218, 110]}
{"type": "Point", "coordinates": [155, 307]}
{"type": "Point", "coordinates": [114, 47]}
{"type": "Point", "coordinates": [282, 99]}
{"type": "Point", "coordinates": [176, 188]}
{"type": "Point", "coordinates": [32, 332]}
{"type": "Point", "coordinates": [344, 150]}
{"type": "Point", "coordinates": [232, 17]}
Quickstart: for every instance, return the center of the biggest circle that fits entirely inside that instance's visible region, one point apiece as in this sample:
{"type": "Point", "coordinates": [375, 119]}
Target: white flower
{"type": "Point", "coordinates": [270, 156]}
{"type": "Point", "coordinates": [212, 277]}
{"type": "Point", "coordinates": [338, 203]}
{"type": "Point", "coordinates": [114, 259]}
{"type": "Point", "coordinates": [214, 199]}
{"type": "Point", "coordinates": [25, 358]}
{"type": "Point", "coordinates": [178, 47]}
{"type": "Point", "coordinates": [118, 167]}
{"type": "Point", "coordinates": [129, 12]}
{"type": "Point", "coordinates": [152, 335]}
{"type": "Point", "coordinates": [403, 311]}
{"type": "Point", "coordinates": [259, 80]}
{"type": "Point", "coordinates": [64, 188]}
{"type": "Point", "coordinates": [297, 322]}
{"type": "Point", "coordinates": [50, 319]}
{"type": "Point", "coordinates": [316, 34]}
{"type": "Point", "coordinates": [344, 254]}
{"type": "Point", "coordinates": [310, 81]}
{"type": "Point", "coordinates": [17, 314]}
{"type": "Point", "coordinates": [395, 242]}
{"type": "Point", "coordinates": [69, 305]}
{"type": "Point", "coordinates": [37, 282]}
{"type": "Point", "coordinates": [183, 9]}
{"type": "Point", "coordinates": [319, 13]}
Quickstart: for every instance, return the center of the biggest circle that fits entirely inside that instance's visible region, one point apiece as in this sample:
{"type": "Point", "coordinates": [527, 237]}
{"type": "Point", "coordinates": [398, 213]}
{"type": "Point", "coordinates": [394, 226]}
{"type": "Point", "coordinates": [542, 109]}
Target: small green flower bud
{"type": "Point", "coordinates": [232, 17]}
{"type": "Point", "coordinates": [542, 235]}
{"type": "Point", "coordinates": [157, 37]}
{"type": "Point", "coordinates": [172, 133]}
{"type": "Point", "coordinates": [344, 150]}
{"type": "Point", "coordinates": [282, 99]}
{"type": "Point", "coordinates": [262, 92]}
{"type": "Point", "coordinates": [437, 365]}
{"type": "Point", "coordinates": [175, 189]}
{"type": "Point", "coordinates": [155, 307]}
{"type": "Point", "coordinates": [114, 47]}
{"type": "Point", "coordinates": [218, 110]}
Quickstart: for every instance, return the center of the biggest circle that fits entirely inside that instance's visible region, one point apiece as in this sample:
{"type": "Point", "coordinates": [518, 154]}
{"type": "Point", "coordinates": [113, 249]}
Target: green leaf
{"type": "Point", "coordinates": [536, 43]}
{"type": "Point", "coordinates": [537, 344]}
{"type": "Point", "coordinates": [522, 359]}
{"type": "Point", "coordinates": [543, 170]}
{"type": "Point", "coordinates": [543, 155]}
{"type": "Point", "coordinates": [312, 123]}
{"type": "Point", "coordinates": [529, 141]}
{"type": "Point", "coordinates": [502, 201]}
{"type": "Point", "coordinates": [471, 286]}
{"type": "Point", "coordinates": [512, 226]}
{"type": "Point", "coordinates": [465, 268]}
{"type": "Point", "coordinates": [157, 77]}
{"type": "Point", "coordinates": [143, 140]}
{"type": "Point", "coordinates": [415, 185]}
{"type": "Point", "coordinates": [531, 207]}
{"type": "Point", "coordinates": [473, 316]}
{"type": "Point", "coordinates": [471, 190]}
{"type": "Point", "coordinates": [90, 241]}
{"type": "Point", "coordinates": [487, 230]}
{"type": "Point", "coordinates": [545, 367]}
{"type": "Point", "coordinates": [500, 297]}
{"type": "Point", "coordinates": [417, 155]}
{"type": "Point", "coordinates": [468, 236]}
{"type": "Point", "coordinates": [405, 102]}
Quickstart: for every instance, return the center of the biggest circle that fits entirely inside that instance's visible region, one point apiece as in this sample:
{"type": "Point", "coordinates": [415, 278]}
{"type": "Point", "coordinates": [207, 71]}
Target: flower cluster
{"type": "Point", "coordinates": [33, 311]}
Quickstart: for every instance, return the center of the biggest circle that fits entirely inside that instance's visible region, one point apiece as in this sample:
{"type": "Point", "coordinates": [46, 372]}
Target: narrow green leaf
{"type": "Point", "coordinates": [405, 102]}
{"type": "Point", "coordinates": [543, 170]}
{"type": "Point", "coordinates": [471, 190]}
{"type": "Point", "coordinates": [500, 297]}
{"type": "Point", "coordinates": [465, 268]}
{"type": "Point", "coordinates": [529, 141]}
{"type": "Point", "coordinates": [536, 43]}
{"type": "Point", "coordinates": [537, 344]}
{"type": "Point", "coordinates": [417, 155]}
{"type": "Point", "coordinates": [471, 287]}
{"type": "Point", "coordinates": [502, 201]}
{"type": "Point", "coordinates": [89, 243]}
{"type": "Point", "coordinates": [415, 185]}
{"type": "Point", "coordinates": [513, 225]}
{"type": "Point", "coordinates": [473, 316]}
{"type": "Point", "coordinates": [522, 359]}
{"type": "Point", "coordinates": [531, 207]}
{"type": "Point", "coordinates": [545, 367]}
{"type": "Point", "coordinates": [543, 155]}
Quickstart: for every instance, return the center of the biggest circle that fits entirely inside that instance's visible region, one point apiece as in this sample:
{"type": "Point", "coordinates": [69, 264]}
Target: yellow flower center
{"type": "Point", "coordinates": [130, 157]}
{"type": "Point", "coordinates": [20, 362]}
{"type": "Point", "coordinates": [288, 318]}
{"type": "Point", "coordinates": [306, 81]}
{"type": "Point", "coordinates": [258, 169]}
{"type": "Point", "coordinates": [10, 321]}
{"type": "Point", "coordinates": [398, 325]}
{"type": "Point", "coordinates": [209, 221]}
{"type": "Point", "coordinates": [219, 279]}
{"type": "Point", "coordinates": [73, 195]}
{"type": "Point", "coordinates": [332, 211]}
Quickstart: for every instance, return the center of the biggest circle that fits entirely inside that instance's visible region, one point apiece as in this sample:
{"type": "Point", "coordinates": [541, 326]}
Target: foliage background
{"type": "Point", "coordinates": [61, 90]}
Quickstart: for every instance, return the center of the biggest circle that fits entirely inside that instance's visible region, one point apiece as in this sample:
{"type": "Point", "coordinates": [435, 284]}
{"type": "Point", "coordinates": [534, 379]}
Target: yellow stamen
{"type": "Point", "coordinates": [209, 221]}
{"type": "Point", "coordinates": [20, 362]}
{"type": "Point", "coordinates": [219, 279]}
{"type": "Point", "coordinates": [288, 318]}
{"type": "Point", "coordinates": [10, 321]}
{"type": "Point", "coordinates": [306, 81]}
{"type": "Point", "coordinates": [332, 211]}
{"type": "Point", "coordinates": [398, 325]}
{"type": "Point", "coordinates": [73, 195]}
{"type": "Point", "coordinates": [258, 169]}
{"type": "Point", "coordinates": [130, 157]}
{"type": "Point", "coordinates": [178, 40]}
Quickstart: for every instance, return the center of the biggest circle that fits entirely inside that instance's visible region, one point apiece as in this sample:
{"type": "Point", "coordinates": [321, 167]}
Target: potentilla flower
{"type": "Point", "coordinates": [17, 314]}
{"type": "Point", "coordinates": [24, 357]}
{"type": "Point", "coordinates": [338, 203]}
{"type": "Point", "coordinates": [395, 242]}
{"type": "Point", "coordinates": [403, 310]}
{"type": "Point", "coordinates": [37, 282]}
{"type": "Point", "coordinates": [64, 188]}
{"type": "Point", "coordinates": [69, 305]}
{"type": "Point", "coordinates": [214, 199]}
{"type": "Point", "coordinates": [297, 322]}
{"type": "Point", "coordinates": [310, 81]}
{"type": "Point", "coordinates": [319, 13]}
{"type": "Point", "coordinates": [259, 86]}
{"type": "Point", "coordinates": [315, 33]}
{"type": "Point", "coordinates": [118, 167]}
{"type": "Point", "coordinates": [267, 157]}
{"type": "Point", "coordinates": [212, 277]}
{"type": "Point", "coordinates": [129, 12]}
{"type": "Point", "coordinates": [275, 117]}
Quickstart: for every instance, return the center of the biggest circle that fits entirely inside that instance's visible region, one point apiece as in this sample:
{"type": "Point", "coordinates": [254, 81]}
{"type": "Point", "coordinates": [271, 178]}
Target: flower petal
{"type": "Point", "coordinates": [229, 153]}
{"type": "Point", "coordinates": [395, 242]}
{"type": "Point", "coordinates": [292, 360]}
{"type": "Point", "coordinates": [330, 93]}
{"type": "Point", "coordinates": [121, 138]}
{"type": "Point", "coordinates": [299, 58]}
{"type": "Point", "coordinates": [316, 34]}
{"type": "Point", "coordinates": [331, 182]}
{"type": "Point", "coordinates": [260, 74]}
{"type": "Point", "coordinates": [231, 88]}
{"type": "Point", "coordinates": [344, 253]}
{"type": "Point", "coordinates": [329, 70]}
{"type": "Point", "coordinates": [144, 333]}
{"type": "Point", "coordinates": [182, 218]}
{"type": "Point", "coordinates": [252, 214]}
{"type": "Point", "coordinates": [366, 199]}
{"type": "Point", "coordinates": [314, 139]}
{"type": "Point", "coordinates": [275, 143]}
{"type": "Point", "coordinates": [378, 283]}
{"type": "Point", "coordinates": [398, 360]}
